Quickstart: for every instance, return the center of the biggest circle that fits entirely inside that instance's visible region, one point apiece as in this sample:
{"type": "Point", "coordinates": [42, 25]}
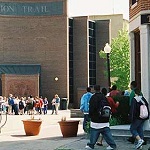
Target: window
{"type": "Point", "coordinates": [92, 54]}
{"type": "Point", "coordinates": [133, 3]}
{"type": "Point", "coordinates": [71, 60]}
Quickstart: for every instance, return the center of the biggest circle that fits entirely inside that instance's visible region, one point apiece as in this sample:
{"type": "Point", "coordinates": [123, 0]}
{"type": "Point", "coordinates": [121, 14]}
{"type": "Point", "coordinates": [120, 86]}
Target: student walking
{"type": "Point", "coordinates": [114, 105]}
{"type": "Point", "coordinates": [84, 106]}
{"type": "Point", "coordinates": [99, 124]}
{"type": "Point", "coordinates": [137, 121]}
{"type": "Point", "coordinates": [133, 86]}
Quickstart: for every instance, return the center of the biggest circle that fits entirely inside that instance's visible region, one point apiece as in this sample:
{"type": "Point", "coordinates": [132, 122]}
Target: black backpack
{"type": "Point", "coordinates": [105, 112]}
{"type": "Point", "coordinates": [105, 109]}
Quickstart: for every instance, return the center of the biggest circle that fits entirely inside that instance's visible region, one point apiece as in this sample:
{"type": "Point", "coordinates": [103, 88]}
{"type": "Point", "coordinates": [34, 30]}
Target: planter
{"type": "Point", "coordinates": [32, 126]}
{"type": "Point", "coordinates": [69, 128]}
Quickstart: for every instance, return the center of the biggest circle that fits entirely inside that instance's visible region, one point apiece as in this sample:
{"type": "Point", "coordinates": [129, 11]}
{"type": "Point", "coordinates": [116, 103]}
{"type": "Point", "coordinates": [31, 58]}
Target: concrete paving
{"type": "Point", "coordinates": [12, 136]}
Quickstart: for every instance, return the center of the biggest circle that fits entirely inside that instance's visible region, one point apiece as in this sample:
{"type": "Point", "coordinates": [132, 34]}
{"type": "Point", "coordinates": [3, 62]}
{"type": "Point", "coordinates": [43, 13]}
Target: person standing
{"type": "Point", "coordinates": [137, 121]}
{"type": "Point", "coordinates": [98, 123]}
{"type": "Point", "coordinates": [16, 105]}
{"type": "Point", "coordinates": [21, 106]}
{"type": "Point", "coordinates": [114, 105]}
{"type": "Point", "coordinates": [45, 101]}
{"type": "Point", "coordinates": [40, 104]}
{"type": "Point", "coordinates": [133, 86]}
{"type": "Point", "coordinates": [57, 103]}
{"type": "Point", "coordinates": [84, 106]}
{"type": "Point", "coordinates": [11, 104]}
{"type": "Point", "coordinates": [114, 91]}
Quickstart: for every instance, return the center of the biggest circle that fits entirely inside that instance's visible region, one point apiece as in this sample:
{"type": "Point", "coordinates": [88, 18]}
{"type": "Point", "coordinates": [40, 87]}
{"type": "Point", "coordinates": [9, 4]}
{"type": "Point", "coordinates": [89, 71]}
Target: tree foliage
{"type": "Point", "coordinates": [120, 60]}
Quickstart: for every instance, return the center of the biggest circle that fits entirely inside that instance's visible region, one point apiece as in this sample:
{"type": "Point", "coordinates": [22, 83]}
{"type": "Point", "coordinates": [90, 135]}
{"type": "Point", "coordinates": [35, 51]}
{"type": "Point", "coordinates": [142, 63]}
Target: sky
{"type": "Point", "coordinates": [98, 7]}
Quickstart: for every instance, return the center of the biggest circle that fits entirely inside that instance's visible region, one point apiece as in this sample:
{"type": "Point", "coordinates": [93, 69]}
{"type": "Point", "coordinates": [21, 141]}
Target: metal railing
{"type": "Point", "coordinates": [2, 122]}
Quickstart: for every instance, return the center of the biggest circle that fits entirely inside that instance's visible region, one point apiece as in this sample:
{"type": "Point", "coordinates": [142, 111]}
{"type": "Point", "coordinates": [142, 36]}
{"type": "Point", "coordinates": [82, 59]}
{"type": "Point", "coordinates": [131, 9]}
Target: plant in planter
{"type": "Point", "coordinates": [69, 128]}
{"type": "Point", "coordinates": [32, 126]}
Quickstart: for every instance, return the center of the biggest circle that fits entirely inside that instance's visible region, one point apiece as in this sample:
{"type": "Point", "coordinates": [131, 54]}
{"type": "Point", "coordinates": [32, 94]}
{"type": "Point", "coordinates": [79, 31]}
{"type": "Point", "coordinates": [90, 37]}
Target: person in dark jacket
{"type": "Point", "coordinates": [133, 86]}
{"type": "Point", "coordinates": [137, 122]}
{"type": "Point", "coordinates": [98, 123]}
{"type": "Point", "coordinates": [114, 105]}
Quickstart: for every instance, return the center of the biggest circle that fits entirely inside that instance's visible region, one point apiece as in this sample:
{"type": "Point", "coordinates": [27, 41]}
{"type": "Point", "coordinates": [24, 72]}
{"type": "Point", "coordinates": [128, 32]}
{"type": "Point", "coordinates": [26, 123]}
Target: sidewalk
{"type": "Point", "coordinates": [13, 137]}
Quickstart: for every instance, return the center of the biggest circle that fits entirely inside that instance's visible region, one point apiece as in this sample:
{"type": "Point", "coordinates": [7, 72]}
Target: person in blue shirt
{"type": "Point", "coordinates": [84, 106]}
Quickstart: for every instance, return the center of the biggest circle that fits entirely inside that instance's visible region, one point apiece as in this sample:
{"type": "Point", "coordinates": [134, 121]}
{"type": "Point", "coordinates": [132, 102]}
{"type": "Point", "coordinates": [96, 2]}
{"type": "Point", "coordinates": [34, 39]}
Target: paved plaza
{"type": "Point", "coordinates": [12, 136]}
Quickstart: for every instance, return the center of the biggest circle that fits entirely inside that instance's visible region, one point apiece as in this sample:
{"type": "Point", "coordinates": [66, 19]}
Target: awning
{"type": "Point", "coordinates": [21, 69]}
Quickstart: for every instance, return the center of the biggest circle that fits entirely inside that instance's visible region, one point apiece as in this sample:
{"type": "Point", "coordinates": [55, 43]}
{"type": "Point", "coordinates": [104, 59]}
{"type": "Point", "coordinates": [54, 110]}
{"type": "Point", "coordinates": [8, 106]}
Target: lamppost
{"type": "Point", "coordinates": [107, 50]}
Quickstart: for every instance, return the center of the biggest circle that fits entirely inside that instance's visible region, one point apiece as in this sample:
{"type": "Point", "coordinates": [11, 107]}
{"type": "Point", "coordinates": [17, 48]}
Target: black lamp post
{"type": "Point", "coordinates": [107, 50]}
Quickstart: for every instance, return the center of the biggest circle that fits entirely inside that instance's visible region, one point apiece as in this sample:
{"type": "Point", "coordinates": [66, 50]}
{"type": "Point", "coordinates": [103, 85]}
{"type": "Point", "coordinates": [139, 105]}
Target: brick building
{"type": "Point", "coordinates": [139, 28]}
{"type": "Point", "coordinates": [39, 43]}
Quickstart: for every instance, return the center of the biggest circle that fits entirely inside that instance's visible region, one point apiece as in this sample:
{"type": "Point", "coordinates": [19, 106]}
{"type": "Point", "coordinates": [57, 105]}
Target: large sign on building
{"type": "Point", "coordinates": [31, 9]}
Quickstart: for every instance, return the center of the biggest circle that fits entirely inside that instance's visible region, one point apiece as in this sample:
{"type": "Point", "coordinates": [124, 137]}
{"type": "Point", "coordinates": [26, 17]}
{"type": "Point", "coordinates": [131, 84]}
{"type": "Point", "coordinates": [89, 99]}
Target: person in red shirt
{"type": "Point", "coordinates": [114, 105]}
{"type": "Point", "coordinates": [114, 91]}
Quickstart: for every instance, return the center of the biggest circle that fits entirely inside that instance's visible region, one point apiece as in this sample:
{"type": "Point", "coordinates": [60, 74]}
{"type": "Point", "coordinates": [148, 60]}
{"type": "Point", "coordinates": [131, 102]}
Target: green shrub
{"type": "Point", "coordinates": [114, 121]}
{"type": "Point", "coordinates": [87, 129]}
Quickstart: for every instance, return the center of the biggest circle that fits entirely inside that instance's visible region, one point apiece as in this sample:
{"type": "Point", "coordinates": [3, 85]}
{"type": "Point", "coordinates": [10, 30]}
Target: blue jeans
{"type": "Point", "coordinates": [136, 128]}
{"type": "Point", "coordinates": [45, 110]}
{"type": "Point", "coordinates": [94, 135]}
{"type": "Point", "coordinates": [86, 119]}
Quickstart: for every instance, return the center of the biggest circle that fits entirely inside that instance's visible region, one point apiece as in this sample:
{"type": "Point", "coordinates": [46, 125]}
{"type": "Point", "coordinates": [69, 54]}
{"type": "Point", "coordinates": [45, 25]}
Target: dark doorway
{"type": "Point", "coordinates": [137, 59]}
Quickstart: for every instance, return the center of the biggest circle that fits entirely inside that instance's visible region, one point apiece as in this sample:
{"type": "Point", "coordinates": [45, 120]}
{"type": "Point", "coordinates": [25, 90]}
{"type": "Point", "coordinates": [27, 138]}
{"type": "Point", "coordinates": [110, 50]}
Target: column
{"type": "Point", "coordinates": [132, 57]}
{"type": "Point", "coordinates": [145, 61]}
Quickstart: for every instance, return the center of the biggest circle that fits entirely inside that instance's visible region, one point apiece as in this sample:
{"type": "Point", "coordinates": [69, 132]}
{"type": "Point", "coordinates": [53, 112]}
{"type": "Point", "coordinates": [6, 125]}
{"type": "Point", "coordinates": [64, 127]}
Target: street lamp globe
{"type": "Point", "coordinates": [107, 48]}
{"type": "Point", "coordinates": [56, 79]}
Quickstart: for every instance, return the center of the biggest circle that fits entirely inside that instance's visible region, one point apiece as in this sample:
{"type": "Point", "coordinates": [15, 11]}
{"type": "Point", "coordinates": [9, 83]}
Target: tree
{"type": "Point", "coordinates": [120, 60]}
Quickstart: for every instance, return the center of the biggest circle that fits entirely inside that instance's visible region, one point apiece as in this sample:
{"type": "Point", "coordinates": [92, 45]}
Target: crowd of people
{"type": "Point", "coordinates": [92, 103]}
{"type": "Point", "coordinates": [20, 106]}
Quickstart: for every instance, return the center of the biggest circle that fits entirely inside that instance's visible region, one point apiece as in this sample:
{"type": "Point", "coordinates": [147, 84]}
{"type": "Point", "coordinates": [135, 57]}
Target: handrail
{"type": "Point", "coordinates": [1, 120]}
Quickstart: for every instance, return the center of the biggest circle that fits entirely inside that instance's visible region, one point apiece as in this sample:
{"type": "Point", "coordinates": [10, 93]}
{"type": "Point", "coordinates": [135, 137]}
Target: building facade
{"type": "Point", "coordinates": [139, 28]}
{"type": "Point", "coordinates": [36, 33]}
{"type": "Point", "coordinates": [39, 39]}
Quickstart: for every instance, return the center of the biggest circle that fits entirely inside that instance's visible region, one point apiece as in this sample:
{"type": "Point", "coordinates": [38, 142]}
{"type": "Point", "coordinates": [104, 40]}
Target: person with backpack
{"type": "Point", "coordinates": [99, 120]}
{"type": "Point", "coordinates": [139, 112]}
{"type": "Point", "coordinates": [84, 106]}
{"type": "Point", "coordinates": [133, 86]}
{"type": "Point", "coordinates": [114, 105]}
